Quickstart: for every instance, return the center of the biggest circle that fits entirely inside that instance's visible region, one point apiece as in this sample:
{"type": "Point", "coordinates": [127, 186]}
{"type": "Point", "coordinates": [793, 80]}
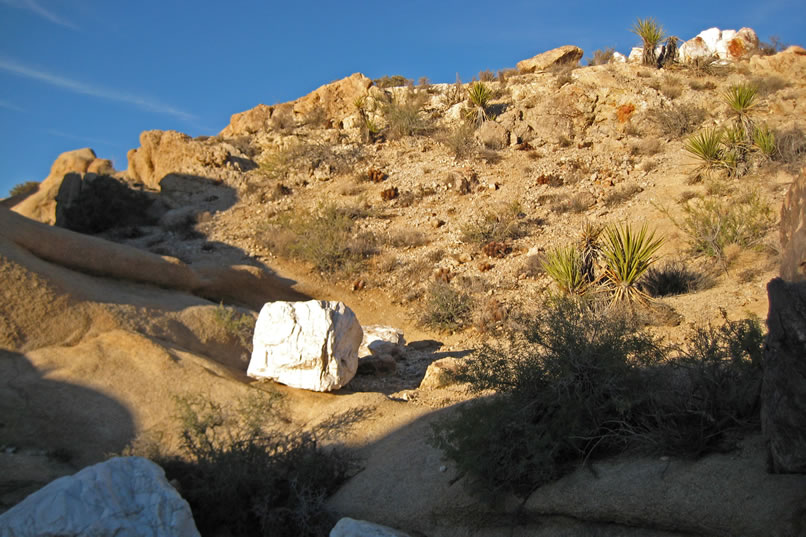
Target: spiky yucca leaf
{"type": "Point", "coordinates": [479, 95]}
{"type": "Point", "coordinates": [628, 255]}
{"type": "Point", "coordinates": [764, 140]}
{"type": "Point", "coordinates": [564, 265]}
{"type": "Point", "coordinates": [741, 98]}
{"type": "Point", "coordinates": [589, 249]}
{"type": "Point", "coordinates": [706, 145]}
{"type": "Point", "coordinates": [651, 33]}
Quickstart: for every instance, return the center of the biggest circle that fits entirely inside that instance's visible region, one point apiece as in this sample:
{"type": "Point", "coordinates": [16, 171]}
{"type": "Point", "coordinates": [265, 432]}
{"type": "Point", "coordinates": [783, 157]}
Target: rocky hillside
{"type": "Point", "coordinates": [432, 208]}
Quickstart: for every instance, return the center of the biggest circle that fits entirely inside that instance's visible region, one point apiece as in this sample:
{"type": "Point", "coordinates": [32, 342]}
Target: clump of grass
{"type": "Point", "coordinates": [577, 382]}
{"type": "Point", "coordinates": [672, 278]}
{"type": "Point", "coordinates": [651, 34]}
{"type": "Point", "coordinates": [460, 140]}
{"type": "Point", "coordinates": [678, 119]}
{"type": "Point", "coordinates": [446, 308]}
{"type": "Point", "coordinates": [495, 225]}
{"type": "Point", "coordinates": [601, 57]}
{"type": "Point", "coordinates": [628, 255]}
{"type": "Point", "coordinates": [403, 116]}
{"type": "Point", "coordinates": [764, 141]}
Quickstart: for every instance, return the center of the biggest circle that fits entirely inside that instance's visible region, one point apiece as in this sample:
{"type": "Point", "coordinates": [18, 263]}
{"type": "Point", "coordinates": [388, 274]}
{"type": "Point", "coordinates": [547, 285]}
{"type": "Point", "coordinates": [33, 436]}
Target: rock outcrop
{"type": "Point", "coordinates": [170, 155]}
{"type": "Point", "coordinates": [41, 205]}
{"type": "Point", "coordinates": [124, 496]}
{"type": "Point", "coordinates": [329, 104]}
{"type": "Point", "coordinates": [723, 44]}
{"type": "Point", "coordinates": [311, 345]}
{"type": "Point", "coordinates": [565, 55]}
{"type": "Point", "coordinates": [783, 397]}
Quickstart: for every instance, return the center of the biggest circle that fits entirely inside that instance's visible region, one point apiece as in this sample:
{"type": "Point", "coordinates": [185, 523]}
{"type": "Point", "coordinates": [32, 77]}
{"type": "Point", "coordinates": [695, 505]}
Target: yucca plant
{"type": "Point", "coordinates": [741, 98]}
{"type": "Point", "coordinates": [706, 145]}
{"type": "Point", "coordinates": [479, 95]}
{"type": "Point", "coordinates": [590, 249]}
{"type": "Point", "coordinates": [651, 34]}
{"type": "Point", "coordinates": [564, 265]}
{"type": "Point", "coordinates": [764, 140]}
{"type": "Point", "coordinates": [627, 256]}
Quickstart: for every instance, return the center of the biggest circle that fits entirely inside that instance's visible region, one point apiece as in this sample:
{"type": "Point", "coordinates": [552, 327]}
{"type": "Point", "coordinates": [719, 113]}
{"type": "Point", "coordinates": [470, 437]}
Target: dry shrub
{"type": "Point", "coordinates": [621, 194]}
{"type": "Point", "coordinates": [700, 85]}
{"type": "Point", "coordinates": [486, 76]}
{"type": "Point", "coordinates": [673, 278]}
{"type": "Point", "coordinates": [460, 140]}
{"type": "Point", "coordinates": [573, 203]}
{"type": "Point", "coordinates": [497, 224]}
{"type": "Point", "coordinates": [445, 308]}
{"type": "Point", "coordinates": [678, 119]}
{"type": "Point", "coordinates": [393, 81]}
{"type": "Point", "coordinates": [407, 238]}
{"type": "Point", "coordinates": [602, 57]}
{"type": "Point", "coordinates": [767, 85]}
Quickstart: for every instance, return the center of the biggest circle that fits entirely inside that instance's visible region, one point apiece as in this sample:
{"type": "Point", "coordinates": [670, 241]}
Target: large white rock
{"type": "Point", "coordinates": [349, 527]}
{"type": "Point", "coordinates": [311, 345]}
{"type": "Point", "coordinates": [724, 44]}
{"type": "Point", "coordinates": [124, 497]}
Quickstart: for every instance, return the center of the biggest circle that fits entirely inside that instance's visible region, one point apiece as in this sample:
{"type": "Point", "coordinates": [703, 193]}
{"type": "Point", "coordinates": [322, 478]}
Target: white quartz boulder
{"type": "Point", "coordinates": [124, 497]}
{"type": "Point", "coordinates": [311, 345]}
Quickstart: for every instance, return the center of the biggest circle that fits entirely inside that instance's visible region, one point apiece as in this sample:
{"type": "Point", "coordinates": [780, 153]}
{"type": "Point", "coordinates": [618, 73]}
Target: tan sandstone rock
{"type": "Point", "coordinates": [793, 231]}
{"type": "Point", "coordinates": [565, 55]}
{"type": "Point", "coordinates": [41, 205]}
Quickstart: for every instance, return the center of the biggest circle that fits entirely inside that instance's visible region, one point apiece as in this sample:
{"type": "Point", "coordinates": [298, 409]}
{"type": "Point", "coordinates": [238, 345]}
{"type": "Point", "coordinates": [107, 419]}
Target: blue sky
{"type": "Point", "coordinates": [78, 73]}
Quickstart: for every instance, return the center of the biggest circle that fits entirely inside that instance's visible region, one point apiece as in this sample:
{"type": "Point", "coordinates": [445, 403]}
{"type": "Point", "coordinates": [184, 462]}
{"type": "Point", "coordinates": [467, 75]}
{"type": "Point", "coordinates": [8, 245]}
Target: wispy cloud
{"type": "Point", "coordinates": [36, 8]}
{"type": "Point", "coordinates": [10, 106]}
{"type": "Point", "coordinates": [87, 139]}
{"type": "Point", "coordinates": [82, 88]}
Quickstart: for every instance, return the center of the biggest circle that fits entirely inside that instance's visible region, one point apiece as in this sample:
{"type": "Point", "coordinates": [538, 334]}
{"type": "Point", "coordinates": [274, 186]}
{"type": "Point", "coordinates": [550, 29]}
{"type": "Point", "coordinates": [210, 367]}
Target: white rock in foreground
{"type": "Point", "coordinates": [349, 527]}
{"type": "Point", "coordinates": [311, 345]}
{"type": "Point", "coordinates": [124, 497]}
{"type": "Point", "coordinates": [381, 339]}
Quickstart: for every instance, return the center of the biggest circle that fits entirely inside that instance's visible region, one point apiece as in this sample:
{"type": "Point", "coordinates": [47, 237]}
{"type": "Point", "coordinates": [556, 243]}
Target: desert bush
{"type": "Point", "coordinates": [403, 116]}
{"type": "Point", "coordinates": [486, 76]}
{"type": "Point", "coordinates": [239, 326]}
{"type": "Point", "coordinates": [239, 474]}
{"type": "Point", "coordinates": [621, 194]}
{"type": "Point", "coordinates": [671, 88]}
{"type": "Point", "coordinates": [323, 238]}
{"type": "Point", "coordinates": [712, 224]}
{"type": "Point", "coordinates": [791, 146]}
{"type": "Point", "coordinates": [445, 307]}
{"type": "Point", "coordinates": [497, 224]}
{"type": "Point", "coordinates": [672, 278]}
{"type": "Point", "coordinates": [767, 85]}
{"type": "Point", "coordinates": [576, 383]}
{"type": "Point", "coordinates": [460, 140]}
{"type": "Point", "coordinates": [678, 119]}
{"type": "Point", "coordinates": [393, 81]}
{"type": "Point", "coordinates": [651, 33]}
{"type": "Point", "coordinates": [577, 203]}
{"type": "Point", "coordinates": [602, 57]}
{"type": "Point", "coordinates": [24, 188]}
{"type": "Point", "coordinates": [407, 238]}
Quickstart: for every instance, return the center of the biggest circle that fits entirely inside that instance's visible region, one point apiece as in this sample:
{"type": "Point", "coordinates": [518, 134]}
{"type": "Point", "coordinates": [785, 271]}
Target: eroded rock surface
{"type": "Point", "coordinates": [565, 55]}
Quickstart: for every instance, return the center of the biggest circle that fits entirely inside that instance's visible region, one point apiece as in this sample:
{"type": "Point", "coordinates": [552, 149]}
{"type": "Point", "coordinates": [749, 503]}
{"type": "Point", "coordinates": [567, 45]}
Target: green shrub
{"type": "Point", "coordinates": [707, 147]}
{"type": "Point", "coordinates": [712, 224]}
{"type": "Point", "coordinates": [237, 325]}
{"type": "Point", "coordinates": [764, 141]}
{"type": "Point", "coordinates": [479, 95]}
{"type": "Point", "coordinates": [24, 188]}
{"type": "Point", "coordinates": [446, 308]}
{"type": "Point", "coordinates": [393, 81]}
{"type": "Point", "coordinates": [578, 383]}
{"type": "Point", "coordinates": [239, 474]}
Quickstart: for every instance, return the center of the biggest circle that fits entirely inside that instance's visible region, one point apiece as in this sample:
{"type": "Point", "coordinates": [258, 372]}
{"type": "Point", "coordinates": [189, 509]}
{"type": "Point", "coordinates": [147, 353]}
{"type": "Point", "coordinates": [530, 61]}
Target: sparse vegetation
{"type": "Point", "coordinates": [713, 224]}
{"type": "Point", "coordinates": [446, 308]}
{"type": "Point", "coordinates": [239, 326]}
{"type": "Point", "coordinates": [323, 238]}
{"type": "Point", "coordinates": [495, 225]}
{"type": "Point", "coordinates": [672, 278]}
{"type": "Point", "coordinates": [601, 57]}
{"type": "Point", "coordinates": [24, 188]}
{"type": "Point", "coordinates": [403, 115]}
{"type": "Point", "coordinates": [678, 119]}
{"type": "Point", "coordinates": [237, 471]}
{"type": "Point", "coordinates": [577, 384]}
{"type": "Point", "coordinates": [393, 81]}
